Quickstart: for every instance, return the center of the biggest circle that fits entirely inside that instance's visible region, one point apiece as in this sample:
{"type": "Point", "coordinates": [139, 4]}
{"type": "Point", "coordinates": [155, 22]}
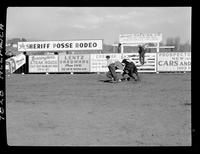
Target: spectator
{"type": "Point", "coordinates": [141, 51]}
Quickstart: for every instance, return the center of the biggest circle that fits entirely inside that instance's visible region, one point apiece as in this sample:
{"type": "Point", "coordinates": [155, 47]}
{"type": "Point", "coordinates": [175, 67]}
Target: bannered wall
{"type": "Point", "coordinates": [154, 62]}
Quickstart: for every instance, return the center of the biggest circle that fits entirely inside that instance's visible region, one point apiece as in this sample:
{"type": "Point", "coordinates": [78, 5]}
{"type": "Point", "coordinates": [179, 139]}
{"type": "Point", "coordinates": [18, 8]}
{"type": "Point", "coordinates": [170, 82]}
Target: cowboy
{"type": "Point", "coordinates": [130, 69]}
{"type": "Point", "coordinates": [113, 66]}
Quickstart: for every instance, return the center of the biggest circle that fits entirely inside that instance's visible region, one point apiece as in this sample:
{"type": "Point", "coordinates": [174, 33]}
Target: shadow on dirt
{"type": "Point", "coordinates": [106, 81]}
{"type": "Point", "coordinates": [123, 81]}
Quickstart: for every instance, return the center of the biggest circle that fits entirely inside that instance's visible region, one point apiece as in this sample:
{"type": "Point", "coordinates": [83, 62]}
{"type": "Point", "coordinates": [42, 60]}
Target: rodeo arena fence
{"type": "Point", "coordinates": [65, 62]}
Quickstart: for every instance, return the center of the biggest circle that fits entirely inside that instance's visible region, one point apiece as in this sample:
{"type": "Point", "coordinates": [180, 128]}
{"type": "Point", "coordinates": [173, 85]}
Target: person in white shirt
{"type": "Point", "coordinates": [112, 66]}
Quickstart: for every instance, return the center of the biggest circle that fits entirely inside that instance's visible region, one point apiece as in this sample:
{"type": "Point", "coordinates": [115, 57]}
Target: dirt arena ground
{"type": "Point", "coordinates": [82, 110]}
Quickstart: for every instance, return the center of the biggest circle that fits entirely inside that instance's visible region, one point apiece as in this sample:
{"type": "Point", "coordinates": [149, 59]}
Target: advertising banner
{"type": "Point", "coordinates": [14, 63]}
{"type": "Point", "coordinates": [74, 63]}
{"type": "Point", "coordinates": [43, 63]}
{"type": "Point", "coordinates": [140, 38]}
{"type": "Point", "coordinates": [72, 45]}
{"type": "Point", "coordinates": [98, 62]}
{"type": "Point", "coordinates": [174, 61]}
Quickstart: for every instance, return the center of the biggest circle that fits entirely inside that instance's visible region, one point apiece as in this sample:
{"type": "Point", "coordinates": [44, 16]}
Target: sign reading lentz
{"type": "Point", "coordinates": [74, 63]}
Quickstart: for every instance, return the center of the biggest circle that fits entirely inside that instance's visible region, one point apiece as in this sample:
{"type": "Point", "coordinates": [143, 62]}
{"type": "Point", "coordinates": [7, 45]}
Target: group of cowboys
{"type": "Point", "coordinates": [130, 70]}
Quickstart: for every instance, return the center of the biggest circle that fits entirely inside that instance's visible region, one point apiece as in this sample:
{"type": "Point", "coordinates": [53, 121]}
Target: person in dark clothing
{"type": "Point", "coordinates": [141, 51]}
{"type": "Point", "coordinates": [119, 48]}
{"type": "Point", "coordinates": [131, 70]}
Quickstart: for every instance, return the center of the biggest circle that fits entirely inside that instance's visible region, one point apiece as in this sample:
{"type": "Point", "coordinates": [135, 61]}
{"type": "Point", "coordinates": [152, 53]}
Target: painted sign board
{"type": "Point", "coordinates": [43, 63]}
{"type": "Point", "coordinates": [174, 61]}
{"type": "Point", "coordinates": [98, 62]}
{"type": "Point", "coordinates": [74, 63]}
{"type": "Point", "coordinates": [140, 38]}
{"type": "Point", "coordinates": [72, 45]}
{"type": "Point", "coordinates": [14, 63]}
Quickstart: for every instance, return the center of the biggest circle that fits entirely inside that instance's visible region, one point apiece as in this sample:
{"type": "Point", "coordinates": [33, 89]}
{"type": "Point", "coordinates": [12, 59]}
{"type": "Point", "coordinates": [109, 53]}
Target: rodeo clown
{"type": "Point", "coordinates": [113, 66]}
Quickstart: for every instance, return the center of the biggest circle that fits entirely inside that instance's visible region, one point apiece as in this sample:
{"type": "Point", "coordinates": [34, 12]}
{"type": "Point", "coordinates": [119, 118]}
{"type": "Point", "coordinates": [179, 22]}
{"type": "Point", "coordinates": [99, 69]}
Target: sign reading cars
{"type": "Point", "coordinates": [174, 61]}
{"type": "Point", "coordinates": [61, 45]}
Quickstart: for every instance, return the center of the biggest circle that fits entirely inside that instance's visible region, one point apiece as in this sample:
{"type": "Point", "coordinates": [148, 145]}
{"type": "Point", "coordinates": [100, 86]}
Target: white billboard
{"type": "Point", "coordinates": [140, 38]}
{"type": "Point", "coordinates": [98, 62]}
{"type": "Point", "coordinates": [43, 63]}
{"type": "Point", "coordinates": [74, 63]}
{"type": "Point", "coordinates": [174, 61]}
{"type": "Point", "coordinates": [73, 45]}
{"type": "Point", "coordinates": [15, 62]}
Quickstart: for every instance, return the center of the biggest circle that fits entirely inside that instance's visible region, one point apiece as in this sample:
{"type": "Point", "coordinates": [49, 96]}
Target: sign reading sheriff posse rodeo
{"type": "Point", "coordinates": [61, 45]}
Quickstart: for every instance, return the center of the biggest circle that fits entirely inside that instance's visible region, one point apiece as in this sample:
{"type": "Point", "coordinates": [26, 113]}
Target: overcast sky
{"type": "Point", "coordinates": [69, 23]}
